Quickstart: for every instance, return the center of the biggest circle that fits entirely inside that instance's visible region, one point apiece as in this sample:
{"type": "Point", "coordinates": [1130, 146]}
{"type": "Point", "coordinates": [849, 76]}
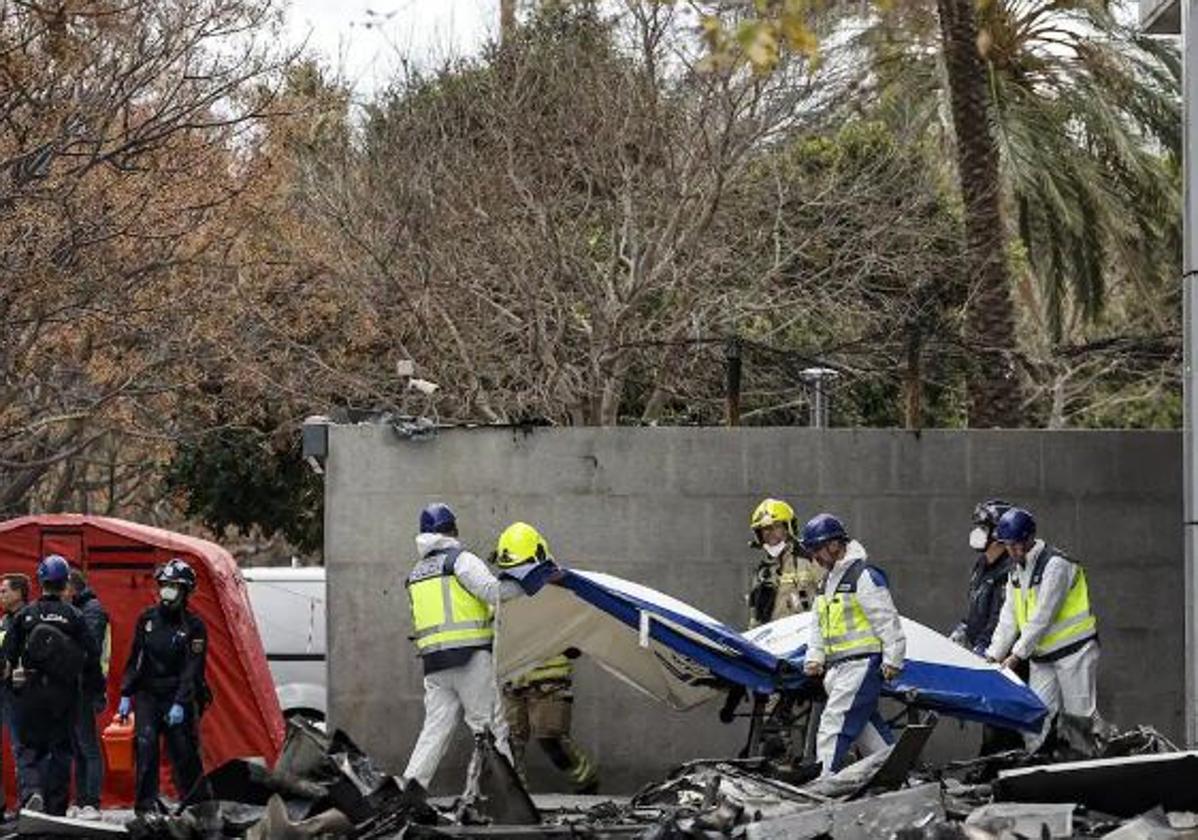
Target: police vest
{"type": "Point", "coordinates": [445, 614]}
{"type": "Point", "coordinates": [847, 632]}
{"type": "Point", "coordinates": [556, 668]}
{"type": "Point", "coordinates": [1072, 626]}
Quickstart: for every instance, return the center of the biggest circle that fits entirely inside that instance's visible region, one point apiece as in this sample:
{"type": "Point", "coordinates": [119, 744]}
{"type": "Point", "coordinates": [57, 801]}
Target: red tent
{"type": "Point", "coordinates": [119, 558]}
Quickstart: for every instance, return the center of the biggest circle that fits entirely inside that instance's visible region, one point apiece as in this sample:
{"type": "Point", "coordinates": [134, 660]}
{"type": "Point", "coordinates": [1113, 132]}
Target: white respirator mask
{"type": "Point", "coordinates": [979, 538]}
{"type": "Point", "coordinates": [776, 549]}
{"type": "Point", "coordinates": [169, 594]}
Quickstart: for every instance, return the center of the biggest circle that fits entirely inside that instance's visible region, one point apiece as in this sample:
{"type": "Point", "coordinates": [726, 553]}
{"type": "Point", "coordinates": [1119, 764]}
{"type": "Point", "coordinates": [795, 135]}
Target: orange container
{"type": "Point", "coordinates": [118, 745]}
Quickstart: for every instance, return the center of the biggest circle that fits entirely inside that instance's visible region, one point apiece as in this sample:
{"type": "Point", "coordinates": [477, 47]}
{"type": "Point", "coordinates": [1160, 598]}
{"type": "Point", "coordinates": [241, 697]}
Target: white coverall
{"type": "Point", "coordinates": [1068, 684]}
{"type": "Point", "coordinates": [471, 686]}
{"type": "Point", "coordinates": [853, 686]}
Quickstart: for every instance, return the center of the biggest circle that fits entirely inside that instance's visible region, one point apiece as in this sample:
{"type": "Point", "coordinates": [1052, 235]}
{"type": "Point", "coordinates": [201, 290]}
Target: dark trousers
{"type": "Point", "coordinates": [45, 722]}
{"type": "Point", "coordinates": [89, 766]}
{"type": "Point", "coordinates": [182, 747]}
{"type": "Point", "coordinates": [23, 759]}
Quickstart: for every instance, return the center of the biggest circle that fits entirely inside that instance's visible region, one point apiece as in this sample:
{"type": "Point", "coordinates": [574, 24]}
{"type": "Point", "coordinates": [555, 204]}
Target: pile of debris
{"type": "Point", "coordinates": [1139, 788]}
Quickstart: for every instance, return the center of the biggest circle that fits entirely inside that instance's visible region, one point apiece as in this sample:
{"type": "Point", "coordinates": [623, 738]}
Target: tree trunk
{"type": "Point", "coordinates": [507, 20]}
{"type": "Point", "coordinates": [994, 391]}
{"type": "Point", "coordinates": [913, 379]}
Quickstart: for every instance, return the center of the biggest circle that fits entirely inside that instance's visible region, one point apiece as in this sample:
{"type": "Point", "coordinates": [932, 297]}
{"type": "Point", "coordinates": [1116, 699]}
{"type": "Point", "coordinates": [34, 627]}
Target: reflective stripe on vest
{"type": "Point", "coordinates": [555, 668]}
{"type": "Point", "coordinates": [445, 615]}
{"type": "Point", "coordinates": [842, 622]}
{"type": "Point", "coordinates": [1074, 622]}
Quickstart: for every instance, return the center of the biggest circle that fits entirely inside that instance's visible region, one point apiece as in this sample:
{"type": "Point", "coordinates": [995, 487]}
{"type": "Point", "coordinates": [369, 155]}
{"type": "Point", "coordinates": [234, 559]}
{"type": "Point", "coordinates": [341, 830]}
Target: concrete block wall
{"type": "Point", "coordinates": [669, 508]}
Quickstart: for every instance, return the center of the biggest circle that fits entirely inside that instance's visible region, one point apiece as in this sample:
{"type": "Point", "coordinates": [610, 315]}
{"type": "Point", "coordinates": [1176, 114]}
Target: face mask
{"type": "Point", "coordinates": [169, 595]}
{"type": "Point", "coordinates": [979, 538]}
{"type": "Point", "coordinates": [776, 549]}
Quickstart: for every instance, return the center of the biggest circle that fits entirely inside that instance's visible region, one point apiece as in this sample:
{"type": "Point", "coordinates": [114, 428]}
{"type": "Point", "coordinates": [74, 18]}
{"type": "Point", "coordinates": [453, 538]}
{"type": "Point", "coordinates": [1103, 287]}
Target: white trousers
{"type": "Point", "coordinates": [851, 714]}
{"type": "Point", "coordinates": [469, 687]}
{"type": "Point", "coordinates": [1068, 685]}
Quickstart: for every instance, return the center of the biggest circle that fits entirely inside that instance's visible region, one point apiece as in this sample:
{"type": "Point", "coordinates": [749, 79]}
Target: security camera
{"type": "Point", "coordinates": [423, 386]}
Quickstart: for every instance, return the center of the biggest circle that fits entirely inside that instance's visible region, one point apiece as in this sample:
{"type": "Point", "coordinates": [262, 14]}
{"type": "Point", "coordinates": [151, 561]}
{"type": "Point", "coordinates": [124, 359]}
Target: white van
{"type": "Point", "coordinates": [289, 606]}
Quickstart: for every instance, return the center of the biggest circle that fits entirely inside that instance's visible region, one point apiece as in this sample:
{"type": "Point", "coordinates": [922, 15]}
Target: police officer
{"type": "Point", "coordinates": [164, 683]}
{"type": "Point", "coordinates": [785, 582]}
{"type": "Point", "coordinates": [14, 596]}
{"type": "Point", "coordinates": [987, 593]}
{"type": "Point", "coordinates": [451, 593]}
{"type": "Point", "coordinates": [1047, 621]}
{"type": "Point", "coordinates": [856, 643]}
{"type": "Point", "coordinates": [540, 704]}
{"type": "Point", "coordinates": [89, 766]}
{"type": "Point", "coordinates": [49, 651]}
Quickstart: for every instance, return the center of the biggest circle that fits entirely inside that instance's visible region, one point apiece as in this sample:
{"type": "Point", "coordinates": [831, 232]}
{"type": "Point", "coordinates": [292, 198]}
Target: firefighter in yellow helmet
{"type": "Point", "coordinates": [539, 704]}
{"type": "Point", "coordinates": [785, 582]}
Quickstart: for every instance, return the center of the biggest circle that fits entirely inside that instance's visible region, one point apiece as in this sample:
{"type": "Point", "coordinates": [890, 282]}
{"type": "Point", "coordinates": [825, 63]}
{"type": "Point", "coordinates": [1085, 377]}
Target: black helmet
{"type": "Point", "coordinates": [176, 572]}
{"type": "Point", "coordinates": [986, 514]}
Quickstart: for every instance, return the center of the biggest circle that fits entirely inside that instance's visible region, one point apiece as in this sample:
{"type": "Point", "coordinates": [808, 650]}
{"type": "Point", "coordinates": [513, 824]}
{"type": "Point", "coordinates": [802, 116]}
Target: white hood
{"type": "Point", "coordinates": [426, 544]}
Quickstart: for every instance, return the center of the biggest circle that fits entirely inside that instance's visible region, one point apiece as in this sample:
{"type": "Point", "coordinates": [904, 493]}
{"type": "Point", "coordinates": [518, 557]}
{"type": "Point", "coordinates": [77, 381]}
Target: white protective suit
{"type": "Point", "coordinates": [1068, 684]}
{"type": "Point", "coordinates": [854, 686]}
{"type": "Point", "coordinates": [470, 687]}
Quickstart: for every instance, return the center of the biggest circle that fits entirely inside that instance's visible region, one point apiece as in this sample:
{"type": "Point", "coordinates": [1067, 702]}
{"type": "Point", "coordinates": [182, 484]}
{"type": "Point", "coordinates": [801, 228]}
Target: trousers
{"type": "Point", "coordinates": [468, 688]}
{"type": "Point", "coordinates": [182, 747]}
{"type": "Point", "coordinates": [850, 715]}
{"type": "Point", "coordinates": [543, 711]}
{"type": "Point", "coordinates": [1068, 685]}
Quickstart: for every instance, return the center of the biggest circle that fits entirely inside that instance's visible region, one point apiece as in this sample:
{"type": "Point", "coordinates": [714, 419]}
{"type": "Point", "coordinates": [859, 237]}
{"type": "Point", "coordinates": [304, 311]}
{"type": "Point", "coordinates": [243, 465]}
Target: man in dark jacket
{"type": "Point", "coordinates": [49, 653]}
{"type": "Point", "coordinates": [987, 591]}
{"type": "Point", "coordinates": [14, 597]}
{"type": "Point", "coordinates": [89, 766]}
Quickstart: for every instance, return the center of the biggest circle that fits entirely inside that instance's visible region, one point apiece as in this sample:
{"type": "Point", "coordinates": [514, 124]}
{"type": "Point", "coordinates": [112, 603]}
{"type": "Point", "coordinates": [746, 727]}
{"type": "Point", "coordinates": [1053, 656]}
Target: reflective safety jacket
{"type": "Point", "coordinates": [843, 624]}
{"type": "Point", "coordinates": [445, 615]}
{"type": "Point", "coordinates": [554, 669]}
{"type": "Point", "coordinates": [855, 614]}
{"type": "Point", "coordinates": [1072, 625]}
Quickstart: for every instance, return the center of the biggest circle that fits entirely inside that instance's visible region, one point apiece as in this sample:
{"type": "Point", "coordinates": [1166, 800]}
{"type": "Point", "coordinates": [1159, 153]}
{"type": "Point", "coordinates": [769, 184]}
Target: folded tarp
{"type": "Point", "coordinates": [683, 657]}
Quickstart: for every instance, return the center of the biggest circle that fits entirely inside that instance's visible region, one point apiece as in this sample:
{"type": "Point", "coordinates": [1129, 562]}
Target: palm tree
{"type": "Point", "coordinates": [1069, 122]}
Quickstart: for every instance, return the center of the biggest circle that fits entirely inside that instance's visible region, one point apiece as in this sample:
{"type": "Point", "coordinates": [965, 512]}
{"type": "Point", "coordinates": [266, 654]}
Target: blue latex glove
{"type": "Point", "coordinates": [175, 716]}
{"type": "Point", "coordinates": [124, 708]}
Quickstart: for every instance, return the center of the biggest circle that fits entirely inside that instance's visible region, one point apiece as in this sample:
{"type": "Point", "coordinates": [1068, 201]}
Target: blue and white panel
{"type": "Point", "coordinates": [938, 675]}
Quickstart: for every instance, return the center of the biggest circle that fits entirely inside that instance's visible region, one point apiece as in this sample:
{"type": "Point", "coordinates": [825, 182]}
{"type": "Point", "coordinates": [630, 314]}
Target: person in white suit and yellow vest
{"type": "Point", "coordinates": [856, 643]}
{"type": "Point", "coordinates": [1047, 621]}
{"type": "Point", "coordinates": [452, 595]}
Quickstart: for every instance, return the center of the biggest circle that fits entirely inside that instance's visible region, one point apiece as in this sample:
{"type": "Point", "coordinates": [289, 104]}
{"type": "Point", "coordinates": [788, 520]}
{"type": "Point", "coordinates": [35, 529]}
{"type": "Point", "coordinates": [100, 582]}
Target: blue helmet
{"type": "Point", "coordinates": [437, 518]}
{"type": "Point", "coordinates": [1015, 526]}
{"type": "Point", "coordinates": [822, 528]}
{"type": "Point", "coordinates": [54, 568]}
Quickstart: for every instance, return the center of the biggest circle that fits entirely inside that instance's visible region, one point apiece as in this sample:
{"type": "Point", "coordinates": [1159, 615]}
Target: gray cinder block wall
{"type": "Point", "coordinates": [669, 508]}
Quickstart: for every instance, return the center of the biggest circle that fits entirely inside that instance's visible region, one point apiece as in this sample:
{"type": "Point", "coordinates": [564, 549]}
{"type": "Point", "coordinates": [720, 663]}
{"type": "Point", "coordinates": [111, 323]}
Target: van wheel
{"type": "Point", "coordinates": [305, 717]}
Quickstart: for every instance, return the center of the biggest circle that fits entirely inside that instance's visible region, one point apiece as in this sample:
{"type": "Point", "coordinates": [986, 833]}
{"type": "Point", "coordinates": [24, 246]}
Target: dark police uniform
{"type": "Point", "coordinates": [166, 666]}
{"type": "Point", "coordinates": [46, 703]}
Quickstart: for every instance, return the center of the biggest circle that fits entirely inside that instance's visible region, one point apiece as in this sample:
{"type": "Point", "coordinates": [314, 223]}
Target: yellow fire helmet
{"type": "Point", "coordinates": [771, 511]}
{"type": "Point", "coordinates": [520, 543]}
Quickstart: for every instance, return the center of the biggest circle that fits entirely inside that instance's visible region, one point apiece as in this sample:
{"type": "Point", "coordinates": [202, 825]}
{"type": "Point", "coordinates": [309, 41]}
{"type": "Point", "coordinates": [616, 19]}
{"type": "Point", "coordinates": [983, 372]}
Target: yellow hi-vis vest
{"type": "Point", "coordinates": [847, 632]}
{"type": "Point", "coordinates": [555, 668]}
{"type": "Point", "coordinates": [445, 615]}
{"type": "Point", "coordinates": [1073, 625]}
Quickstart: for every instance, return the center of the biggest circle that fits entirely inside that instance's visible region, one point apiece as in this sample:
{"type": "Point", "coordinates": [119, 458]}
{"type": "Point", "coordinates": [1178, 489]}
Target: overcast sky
{"type": "Point", "coordinates": [365, 38]}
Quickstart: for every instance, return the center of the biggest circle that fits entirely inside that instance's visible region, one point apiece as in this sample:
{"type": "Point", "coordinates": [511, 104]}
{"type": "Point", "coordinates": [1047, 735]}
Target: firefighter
{"type": "Point", "coordinates": [785, 582]}
{"type": "Point", "coordinates": [539, 705]}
